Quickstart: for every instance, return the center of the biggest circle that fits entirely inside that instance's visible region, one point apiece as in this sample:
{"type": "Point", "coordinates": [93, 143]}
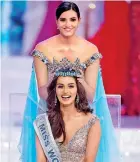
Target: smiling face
{"type": "Point", "coordinates": [66, 90]}
{"type": "Point", "coordinates": [68, 23]}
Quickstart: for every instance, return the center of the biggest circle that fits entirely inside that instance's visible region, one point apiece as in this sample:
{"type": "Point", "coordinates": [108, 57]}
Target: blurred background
{"type": "Point", "coordinates": [113, 26]}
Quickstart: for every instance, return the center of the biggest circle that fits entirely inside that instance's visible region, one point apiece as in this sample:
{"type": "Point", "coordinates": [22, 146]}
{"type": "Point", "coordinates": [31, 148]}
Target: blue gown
{"type": "Point", "coordinates": [108, 149]}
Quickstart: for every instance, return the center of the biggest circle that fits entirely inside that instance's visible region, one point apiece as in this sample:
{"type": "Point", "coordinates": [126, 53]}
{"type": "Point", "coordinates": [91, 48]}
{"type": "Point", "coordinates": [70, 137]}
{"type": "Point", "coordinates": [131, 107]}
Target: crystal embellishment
{"type": "Point", "coordinates": [66, 67]}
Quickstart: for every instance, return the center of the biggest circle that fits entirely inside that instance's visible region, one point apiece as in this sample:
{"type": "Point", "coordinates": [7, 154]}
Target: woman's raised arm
{"type": "Point", "coordinates": [41, 73]}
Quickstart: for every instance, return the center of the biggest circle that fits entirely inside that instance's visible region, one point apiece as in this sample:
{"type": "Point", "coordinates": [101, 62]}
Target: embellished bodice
{"type": "Point", "coordinates": [75, 150]}
{"type": "Point", "coordinates": [65, 61]}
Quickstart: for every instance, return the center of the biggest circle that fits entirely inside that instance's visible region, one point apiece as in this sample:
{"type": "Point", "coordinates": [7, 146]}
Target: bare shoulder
{"type": "Point", "coordinates": [93, 119]}
{"type": "Point", "coordinates": [88, 116]}
{"type": "Point", "coordinates": [89, 47]}
{"type": "Point", "coordinates": [91, 116]}
{"type": "Point", "coordinates": [92, 48]}
{"type": "Point", "coordinates": [45, 45]}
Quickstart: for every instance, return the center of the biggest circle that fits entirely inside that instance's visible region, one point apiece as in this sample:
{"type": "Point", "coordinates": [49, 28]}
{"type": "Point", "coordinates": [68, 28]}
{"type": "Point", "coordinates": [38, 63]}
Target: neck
{"type": "Point", "coordinates": [68, 111]}
{"type": "Point", "coordinates": [67, 40]}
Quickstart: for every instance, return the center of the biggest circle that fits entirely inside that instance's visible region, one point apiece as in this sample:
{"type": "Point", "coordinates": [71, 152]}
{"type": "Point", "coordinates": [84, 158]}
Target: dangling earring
{"type": "Point", "coordinates": [55, 101]}
{"type": "Point", "coordinates": [77, 99]}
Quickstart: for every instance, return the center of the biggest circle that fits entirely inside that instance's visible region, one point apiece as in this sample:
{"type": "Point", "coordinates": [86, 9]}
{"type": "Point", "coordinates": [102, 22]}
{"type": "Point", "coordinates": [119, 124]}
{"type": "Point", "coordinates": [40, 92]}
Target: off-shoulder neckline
{"type": "Point", "coordinates": [45, 57]}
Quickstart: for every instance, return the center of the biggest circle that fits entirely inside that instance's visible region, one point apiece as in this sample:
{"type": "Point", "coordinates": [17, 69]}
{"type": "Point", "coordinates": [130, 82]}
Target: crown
{"type": "Point", "coordinates": [66, 67]}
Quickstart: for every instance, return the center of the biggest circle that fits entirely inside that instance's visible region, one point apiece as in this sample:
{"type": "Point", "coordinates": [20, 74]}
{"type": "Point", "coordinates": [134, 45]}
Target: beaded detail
{"type": "Point", "coordinates": [65, 62]}
{"type": "Point", "coordinates": [75, 150]}
{"type": "Point", "coordinates": [65, 67]}
{"type": "Point", "coordinates": [93, 58]}
{"type": "Point", "coordinates": [41, 56]}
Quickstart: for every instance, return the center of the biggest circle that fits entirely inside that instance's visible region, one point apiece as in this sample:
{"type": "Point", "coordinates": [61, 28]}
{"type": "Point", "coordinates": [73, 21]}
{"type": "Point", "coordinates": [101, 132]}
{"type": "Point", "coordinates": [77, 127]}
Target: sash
{"type": "Point", "coordinates": [44, 133]}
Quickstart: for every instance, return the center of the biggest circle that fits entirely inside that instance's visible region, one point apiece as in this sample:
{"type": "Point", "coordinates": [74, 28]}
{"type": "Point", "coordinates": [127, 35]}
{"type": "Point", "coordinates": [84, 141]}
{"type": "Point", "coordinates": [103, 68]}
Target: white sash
{"type": "Point", "coordinates": [44, 133]}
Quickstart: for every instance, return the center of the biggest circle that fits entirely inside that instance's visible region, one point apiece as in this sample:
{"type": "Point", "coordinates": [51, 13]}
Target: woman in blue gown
{"type": "Point", "coordinates": [50, 53]}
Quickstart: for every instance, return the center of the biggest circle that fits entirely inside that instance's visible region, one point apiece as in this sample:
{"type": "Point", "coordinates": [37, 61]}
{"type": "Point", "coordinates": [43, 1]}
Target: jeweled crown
{"type": "Point", "coordinates": [66, 68]}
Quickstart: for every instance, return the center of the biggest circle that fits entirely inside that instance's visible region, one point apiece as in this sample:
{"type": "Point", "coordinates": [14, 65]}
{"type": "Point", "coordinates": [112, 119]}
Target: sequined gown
{"type": "Point", "coordinates": [74, 151]}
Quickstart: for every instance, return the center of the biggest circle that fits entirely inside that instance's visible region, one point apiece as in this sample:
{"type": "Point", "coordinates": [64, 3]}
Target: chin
{"type": "Point", "coordinates": [65, 104]}
{"type": "Point", "coordinates": [68, 34]}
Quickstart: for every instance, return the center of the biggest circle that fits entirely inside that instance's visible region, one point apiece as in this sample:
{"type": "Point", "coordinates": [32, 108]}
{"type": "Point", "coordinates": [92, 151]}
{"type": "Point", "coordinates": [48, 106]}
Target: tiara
{"type": "Point", "coordinates": [66, 68]}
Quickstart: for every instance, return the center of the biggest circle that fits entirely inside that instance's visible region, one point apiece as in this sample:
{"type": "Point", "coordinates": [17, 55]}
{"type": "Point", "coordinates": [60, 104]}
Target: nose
{"type": "Point", "coordinates": [68, 23]}
{"type": "Point", "coordinates": [65, 90]}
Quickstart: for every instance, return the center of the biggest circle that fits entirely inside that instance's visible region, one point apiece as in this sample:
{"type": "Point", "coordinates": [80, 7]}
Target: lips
{"type": "Point", "coordinates": [67, 29]}
{"type": "Point", "coordinates": [66, 98]}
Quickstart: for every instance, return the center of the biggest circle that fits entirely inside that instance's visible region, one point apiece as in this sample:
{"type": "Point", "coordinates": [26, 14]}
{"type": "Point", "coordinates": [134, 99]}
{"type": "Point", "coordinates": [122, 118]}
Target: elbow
{"type": "Point", "coordinates": [91, 96]}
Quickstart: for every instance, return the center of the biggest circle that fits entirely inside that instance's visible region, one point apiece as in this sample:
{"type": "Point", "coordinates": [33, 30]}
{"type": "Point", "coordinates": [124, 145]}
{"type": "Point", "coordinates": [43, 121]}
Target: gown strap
{"type": "Point", "coordinates": [92, 121]}
{"type": "Point", "coordinates": [92, 59]}
{"type": "Point", "coordinates": [41, 56]}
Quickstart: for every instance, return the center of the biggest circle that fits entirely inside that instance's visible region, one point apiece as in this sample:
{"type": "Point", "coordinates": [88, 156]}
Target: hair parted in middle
{"type": "Point", "coordinates": [66, 6]}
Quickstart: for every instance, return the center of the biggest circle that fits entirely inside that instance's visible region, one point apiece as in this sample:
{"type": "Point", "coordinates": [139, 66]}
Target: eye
{"type": "Point", "coordinates": [71, 86]}
{"type": "Point", "coordinates": [59, 86]}
{"type": "Point", "coordinates": [62, 19]}
{"type": "Point", "coordinates": [73, 19]}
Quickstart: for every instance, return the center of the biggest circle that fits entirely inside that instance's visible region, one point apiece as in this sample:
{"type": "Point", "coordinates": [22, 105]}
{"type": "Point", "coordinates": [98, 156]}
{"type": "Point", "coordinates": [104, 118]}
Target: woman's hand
{"type": "Point", "coordinates": [81, 78]}
{"type": "Point", "coordinates": [89, 90]}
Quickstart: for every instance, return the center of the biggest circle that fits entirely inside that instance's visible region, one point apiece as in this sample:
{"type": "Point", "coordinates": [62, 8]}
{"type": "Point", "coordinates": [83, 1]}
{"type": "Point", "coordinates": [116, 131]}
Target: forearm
{"type": "Point", "coordinates": [90, 92]}
{"type": "Point", "coordinates": [43, 92]}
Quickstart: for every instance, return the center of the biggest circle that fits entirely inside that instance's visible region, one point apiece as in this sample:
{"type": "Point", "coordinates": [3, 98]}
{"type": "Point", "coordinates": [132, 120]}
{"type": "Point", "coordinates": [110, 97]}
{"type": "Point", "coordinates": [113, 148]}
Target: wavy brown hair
{"type": "Point", "coordinates": [54, 112]}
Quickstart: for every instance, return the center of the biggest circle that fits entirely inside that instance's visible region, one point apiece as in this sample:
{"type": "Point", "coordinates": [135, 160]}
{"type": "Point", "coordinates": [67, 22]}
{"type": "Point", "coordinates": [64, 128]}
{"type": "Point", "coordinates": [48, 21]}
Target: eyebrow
{"type": "Point", "coordinates": [65, 18]}
{"type": "Point", "coordinates": [63, 84]}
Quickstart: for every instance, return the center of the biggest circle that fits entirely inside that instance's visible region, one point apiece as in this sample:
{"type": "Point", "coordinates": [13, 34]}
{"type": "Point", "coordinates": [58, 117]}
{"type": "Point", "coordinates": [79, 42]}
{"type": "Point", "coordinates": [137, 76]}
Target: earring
{"type": "Point", "coordinates": [55, 101]}
{"type": "Point", "coordinates": [77, 99]}
{"type": "Point", "coordinates": [57, 27]}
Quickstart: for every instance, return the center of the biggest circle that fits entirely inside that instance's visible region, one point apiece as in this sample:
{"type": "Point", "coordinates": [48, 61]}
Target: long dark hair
{"type": "Point", "coordinates": [66, 6]}
{"type": "Point", "coordinates": [54, 113]}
